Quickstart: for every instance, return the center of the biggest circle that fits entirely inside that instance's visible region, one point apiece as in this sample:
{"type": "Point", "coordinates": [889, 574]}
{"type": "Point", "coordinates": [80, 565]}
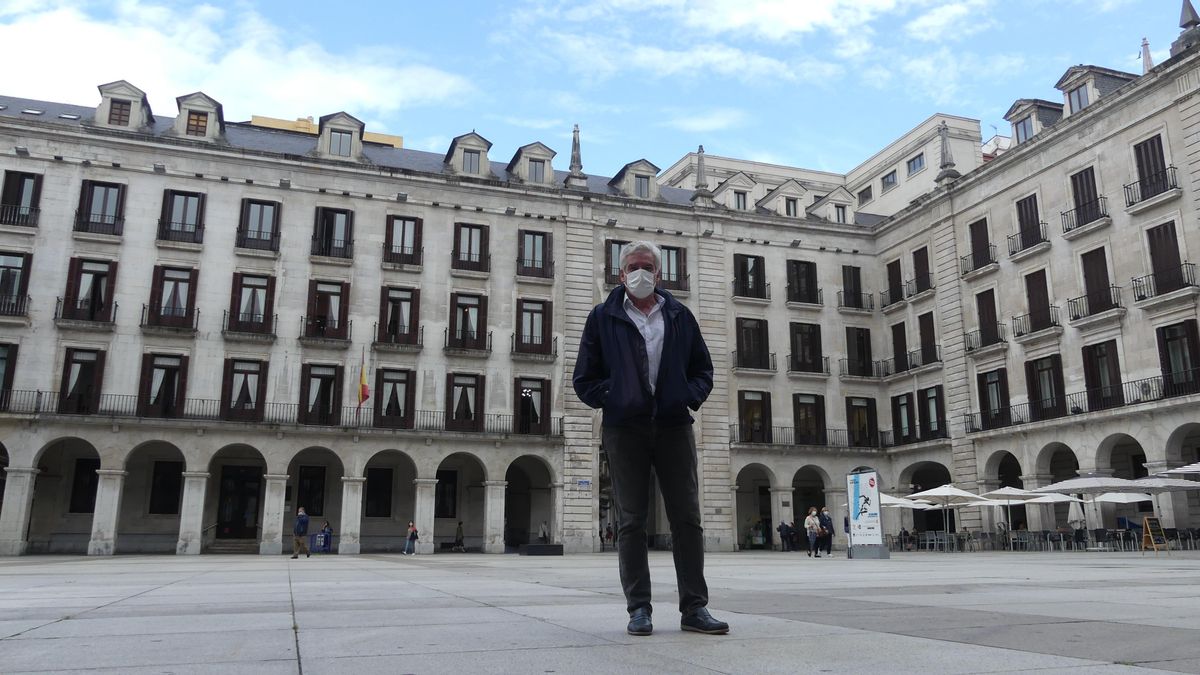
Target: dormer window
{"type": "Point", "coordinates": [1023, 129]}
{"type": "Point", "coordinates": [641, 186]}
{"type": "Point", "coordinates": [197, 123]}
{"type": "Point", "coordinates": [1078, 98]}
{"type": "Point", "coordinates": [790, 207]}
{"type": "Point", "coordinates": [839, 213]}
{"type": "Point", "coordinates": [118, 112]}
{"type": "Point", "coordinates": [739, 200]}
{"type": "Point", "coordinates": [537, 171]}
{"type": "Point", "coordinates": [470, 161]}
{"type": "Point", "coordinates": [340, 143]}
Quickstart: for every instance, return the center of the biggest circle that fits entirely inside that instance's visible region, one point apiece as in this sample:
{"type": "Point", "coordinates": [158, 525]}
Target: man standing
{"type": "Point", "coordinates": [643, 361]}
{"type": "Point", "coordinates": [300, 534]}
{"type": "Point", "coordinates": [826, 530]}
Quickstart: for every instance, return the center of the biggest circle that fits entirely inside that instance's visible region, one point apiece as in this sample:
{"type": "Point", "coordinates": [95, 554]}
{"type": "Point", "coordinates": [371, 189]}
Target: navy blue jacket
{"type": "Point", "coordinates": [611, 370]}
{"type": "Point", "coordinates": [301, 527]}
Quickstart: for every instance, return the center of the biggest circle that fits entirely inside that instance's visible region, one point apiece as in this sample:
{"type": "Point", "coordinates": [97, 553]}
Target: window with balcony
{"type": "Point", "coordinates": [471, 161]}
{"type": "Point", "coordinates": [82, 377]}
{"type": "Point", "coordinates": [377, 499]}
{"type": "Point", "coordinates": [340, 143]}
{"type": "Point", "coordinates": [328, 306]}
{"type": "Point", "coordinates": [118, 112]}
{"type": "Point", "coordinates": [164, 385]}
{"type": "Point", "coordinates": [861, 422]}
{"type": "Point", "coordinates": [402, 240]}
{"type": "Point", "coordinates": [982, 251]}
{"type": "Point", "coordinates": [1037, 295]}
{"type": "Point", "coordinates": [993, 398]}
{"type": "Point", "coordinates": [932, 406]}
{"type": "Point", "coordinates": [259, 225]}
{"type": "Point", "coordinates": [20, 199]}
{"type": "Point", "coordinates": [904, 419]}
{"type": "Point", "coordinates": [754, 416]}
{"type": "Point", "coordinates": [399, 315]}
{"type": "Point", "coordinates": [1179, 357]}
{"type": "Point", "coordinates": [320, 394]}
{"type": "Point", "coordinates": [928, 336]}
{"type": "Point", "coordinates": [468, 321]}
{"type": "Point", "coordinates": [8, 367]}
{"type": "Point", "coordinates": [852, 290]}
{"type": "Point", "coordinates": [464, 402]}
{"type": "Point", "coordinates": [251, 304]}
{"type": "Point", "coordinates": [922, 279]}
{"type": "Point", "coordinates": [166, 488]}
{"type": "Point", "coordinates": [1031, 230]}
{"type": "Point", "coordinates": [1023, 129]}
{"type": "Point", "coordinates": [895, 280]}
{"type": "Point", "coordinates": [172, 297]}
{"type": "Point", "coordinates": [865, 196]}
{"type": "Point", "coordinates": [182, 217]}
{"type": "Point", "coordinates": [899, 348]}
{"type": "Point", "coordinates": [888, 181]}
{"type": "Point", "coordinates": [1089, 205]}
{"type": "Point", "coordinates": [534, 319]}
{"type": "Point", "coordinates": [84, 484]}
{"type": "Point", "coordinates": [989, 325]}
{"type": "Point", "coordinates": [101, 208]}
{"type": "Point", "coordinates": [395, 393]}
{"type": "Point", "coordinates": [802, 282]}
{"type": "Point", "coordinates": [1077, 98]}
{"type": "Point", "coordinates": [1102, 376]}
{"type": "Point", "coordinates": [641, 186]}
{"type": "Point", "coordinates": [612, 260]}
{"type": "Point", "coordinates": [1099, 293]}
{"type": "Point", "coordinates": [197, 124]}
{"type": "Point", "coordinates": [531, 414]}
{"type": "Point", "coordinates": [674, 268]}
{"type": "Point", "coordinates": [537, 170]}
{"type": "Point", "coordinates": [1168, 273]}
{"type": "Point", "coordinates": [808, 413]}
{"type": "Point", "coordinates": [791, 207]}
{"type": "Point", "coordinates": [806, 355]}
{"type": "Point", "coordinates": [915, 164]}
{"type": "Point", "coordinates": [1154, 176]}
{"type": "Point", "coordinates": [333, 233]}
{"type": "Point", "coordinates": [753, 344]}
{"type": "Point", "coordinates": [14, 283]}
{"type": "Point", "coordinates": [739, 200]}
{"type": "Point", "coordinates": [533, 254]}
{"type": "Point", "coordinates": [244, 390]}
{"type": "Point", "coordinates": [90, 289]}
{"type": "Point", "coordinates": [1044, 384]}
{"type": "Point", "coordinates": [749, 276]}
{"type": "Point", "coordinates": [470, 247]}
{"type": "Point", "coordinates": [858, 352]}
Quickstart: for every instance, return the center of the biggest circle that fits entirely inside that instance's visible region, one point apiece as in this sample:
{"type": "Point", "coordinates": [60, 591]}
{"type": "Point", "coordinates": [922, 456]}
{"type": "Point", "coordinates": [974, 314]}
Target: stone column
{"type": "Point", "coordinates": [835, 499]}
{"type": "Point", "coordinates": [271, 542]}
{"type": "Point", "coordinates": [781, 509]}
{"type": "Point", "coordinates": [351, 527]}
{"type": "Point", "coordinates": [556, 510]}
{"type": "Point", "coordinates": [733, 514]}
{"type": "Point", "coordinates": [423, 513]}
{"type": "Point", "coordinates": [191, 513]}
{"type": "Point", "coordinates": [14, 515]}
{"type": "Point", "coordinates": [493, 516]}
{"type": "Point", "coordinates": [1170, 507]}
{"type": "Point", "coordinates": [1040, 516]}
{"type": "Point", "coordinates": [107, 511]}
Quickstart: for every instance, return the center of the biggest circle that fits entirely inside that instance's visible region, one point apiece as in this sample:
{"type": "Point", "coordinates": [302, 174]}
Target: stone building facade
{"type": "Point", "coordinates": [192, 310]}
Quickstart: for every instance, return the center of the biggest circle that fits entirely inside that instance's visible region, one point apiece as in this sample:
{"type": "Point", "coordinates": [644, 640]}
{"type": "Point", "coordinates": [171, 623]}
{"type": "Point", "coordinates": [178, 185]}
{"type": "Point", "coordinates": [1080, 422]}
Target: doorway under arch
{"type": "Point", "coordinates": [389, 501]}
{"type": "Point", "coordinates": [151, 499]}
{"type": "Point", "coordinates": [460, 496]}
{"type": "Point", "coordinates": [233, 500]}
{"type": "Point", "coordinates": [926, 476]}
{"type": "Point", "coordinates": [754, 525]}
{"type": "Point", "coordinates": [528, 502]}
{"type": "Point", "coordinates": [315, 483]}
{"type": "Point", "coordinates": [64, 497]}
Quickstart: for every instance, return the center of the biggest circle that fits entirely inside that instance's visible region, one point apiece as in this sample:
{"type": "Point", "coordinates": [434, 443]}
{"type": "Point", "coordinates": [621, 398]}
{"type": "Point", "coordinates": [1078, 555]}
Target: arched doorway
{"type": "Point", "coordinates": [64, 497]}
{"type": "Point", "coordinates": [151, 499]}
{"type": "Point", "coordinates": [233, 500]}
{"type": "Point", "coordinates": [1059, 461]}
{"type": "Point", "coordinates": [460, 496]}
{"type": "Point", "coordinates": [1127, 459]}
{"type": "Point", "coordinates": [389, 501]}
{"type": "Point", "coordinates": [528, 502]}
{"type": "Point", "coordinates": [314, 483]}
{"type": "Point", "coordinates": [1183, 447]}
{"type": "Point", "coordinates": [754, 526]}
{"type": "Point", "coordinates": [926, 476]}
{"type": "Point", "coordinates": [1008, 474]}
{"type": "Point", "coordinates": [808, 490]}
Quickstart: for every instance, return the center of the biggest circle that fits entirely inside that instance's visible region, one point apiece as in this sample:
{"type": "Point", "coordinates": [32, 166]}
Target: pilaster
{"type": "Point", "coordinates": [191, 513]}
{"type": "Point", "coordinates": [423, 513]}
{"type": "Point", "coordinates": [14, 514]}
{"type": "Point", "coordinates": [108, 508]}
{"type": "Point", "coordinates": [351, 528]}
{"type": "Point", "coordinates": [271, 542]}
{"type": "Point", "coordinates": [781, 510]}
{"type": "Point", "coordinates": [493, 510]}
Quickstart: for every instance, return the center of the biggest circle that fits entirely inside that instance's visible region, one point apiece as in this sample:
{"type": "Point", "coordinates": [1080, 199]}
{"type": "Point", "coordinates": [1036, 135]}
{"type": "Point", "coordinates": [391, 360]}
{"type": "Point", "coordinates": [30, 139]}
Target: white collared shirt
{"type": "Point", "coordinates": [653, 330]}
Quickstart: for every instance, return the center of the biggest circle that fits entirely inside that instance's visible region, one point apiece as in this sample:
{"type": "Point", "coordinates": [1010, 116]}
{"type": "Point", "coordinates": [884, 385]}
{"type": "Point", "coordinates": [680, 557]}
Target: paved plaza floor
{"type": "Point", "coordinates": [918, 612]}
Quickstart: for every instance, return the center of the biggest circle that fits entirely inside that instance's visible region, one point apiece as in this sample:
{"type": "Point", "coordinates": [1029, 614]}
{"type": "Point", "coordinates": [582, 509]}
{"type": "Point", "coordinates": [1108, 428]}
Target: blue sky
{"type": "Point", "coordinates": [821, 84]}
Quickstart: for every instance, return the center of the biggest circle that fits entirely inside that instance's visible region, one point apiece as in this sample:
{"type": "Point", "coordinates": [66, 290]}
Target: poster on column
{"type": "Point", "coordinates": [863, 491]}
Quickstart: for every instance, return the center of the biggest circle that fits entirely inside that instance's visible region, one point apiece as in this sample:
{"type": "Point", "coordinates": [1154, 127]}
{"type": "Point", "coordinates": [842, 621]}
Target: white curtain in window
{"type": "Point", "coordinates": [462, 407]}
{"type": "Point", "coordinates": [174, 300]}
{"type": "Point", "coordinates": [334, 309]}
{"type": "Point", "coordinates": [156, 383]}
{"type": "Point", "coordinates": [394, 395]}
{"type": "Point", "coordinates": [314, 393]}
{"type": "Point", "coordinates": [253, 301]}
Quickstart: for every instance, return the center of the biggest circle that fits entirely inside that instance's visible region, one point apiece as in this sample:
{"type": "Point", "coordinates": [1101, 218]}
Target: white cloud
{"type": "Point", "coordinates": [950, 22]}
{"type": "Point", "coordinates": [529, 122]}
{"type": "Point", "coordinates": [943, 75]}
{"type": "Point", "coordinates": [238, 57]}
{"type": "Point", "coordinates": [718, 119]}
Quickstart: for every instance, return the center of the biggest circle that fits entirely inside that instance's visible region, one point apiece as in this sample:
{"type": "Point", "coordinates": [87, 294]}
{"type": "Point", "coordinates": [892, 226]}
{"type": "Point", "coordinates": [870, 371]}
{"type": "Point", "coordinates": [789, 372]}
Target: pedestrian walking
{"type": "Point", "coordinates": [459, 540]}
{"type": "Point", "coordinates": [812, 526]}
{"type": "Point", "coordinates": [300, 535]}
{"type": "Point", "coordinates": [785, 536]}
{"type": "Point", "coordinates": [826, 530]}
{"type": "Point", "coordinates": [643, 361]}
{"type": "Point", "coordinates": [410, 540]}
{"type": "Point", "coordinates": [544, 533]}
{"type": "Point", "coordinates": [610, 536]}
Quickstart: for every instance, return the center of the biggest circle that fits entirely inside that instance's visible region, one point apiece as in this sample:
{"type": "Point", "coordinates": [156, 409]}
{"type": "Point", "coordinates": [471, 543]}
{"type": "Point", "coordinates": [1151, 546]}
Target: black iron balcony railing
{"type": "Point", "coordinates": [98, 223]}
{"type": "Point", "coordinates": [753, 359]}
{"type": "Point", "coordinates": [258, 241]}
{"type": "Point", "coordinates": [399, 334]}
{"type": "Point", "coordinates": [1027, 238]}
{"type": "Point", "coordinates": [333, 248]}
{"type": "Point", "coordinates": [246, 322]}
{"type": "Point", "coordinates": [860, 368]}
{"type": "Point", "coordinates": [544, 269]}
{"type": "Point", "coordinates": [977, 260]}
{"type": "Point", "coordinates": [674, 282]}
{"type": "Point", "coordinates": [819, 365]}
{"type": "Point", "coordinates": [915, 358]}
{"type": "Point", "coordinates": [744, 288]}
{"type": "Point", "coordinates": [189, 233]}
{"type": "Point", "coordinates": [810, 295]}
{"type": "Point", "coordinates": [86, 402]}
{"type": "Point", "coordinates": [14, 305]}
{"type": "Point", "coordinates": [919, 284]}
{"type": "Point", "coordinates": [84, 309]}
{"type": "Point", "coordinates": [467, 339]}
{"type": "Point", "coordinates": [15, 214]}
{"type": "Point", "coordinates": [896, 364]}
{"type": "Point", "coordinates": [170, 317]}
{"type": "Point", "coordinates": [402, 255]}
{"type": "Point", "coordinates": [1161, 283]}
{"type": "Point", "coordinates": [1085, 214]}
{"type": "Point", "coordinates": [326, 327]}
{"type": "Point", "coordinates": [890, 439]}
{"type": "Point", "coordinates": [1151, 186]}
{"type": "Point", "coordinates": [533, 344]}
{"type": "Point", "coordinates": [1095, 303]}
{"type": "Point", "coordinates": [799, 436]}
{"type": "Point", "coordinates": [1035, 321]}
{"type": "Point", "coordinates": [471, 262]}
{"type": "Point", "coordinates": [992, 334]}
{"type": "Point", "coordinates": [891, 296]}
{"type": "Point", "coordinates": [855, 300]}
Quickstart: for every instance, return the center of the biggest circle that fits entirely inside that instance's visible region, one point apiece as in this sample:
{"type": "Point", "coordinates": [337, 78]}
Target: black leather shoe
{"type": "Point", "coordinates": [639, 622]}
{"type": "Point", "coordinates": [700, 621]}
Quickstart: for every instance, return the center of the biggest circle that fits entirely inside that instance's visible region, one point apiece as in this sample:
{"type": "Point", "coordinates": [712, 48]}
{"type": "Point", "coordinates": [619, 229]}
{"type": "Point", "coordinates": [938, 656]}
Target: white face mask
{"type": "Point", "coordinates": [640, 283]}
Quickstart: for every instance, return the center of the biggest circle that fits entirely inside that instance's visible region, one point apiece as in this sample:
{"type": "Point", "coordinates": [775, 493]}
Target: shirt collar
{"type": "Point", "coordinates": [658, 305]}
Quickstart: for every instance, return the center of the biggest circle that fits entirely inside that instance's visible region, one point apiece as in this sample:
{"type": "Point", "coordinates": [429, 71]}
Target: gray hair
{"type": "Point", "coordinates": [641, 246]}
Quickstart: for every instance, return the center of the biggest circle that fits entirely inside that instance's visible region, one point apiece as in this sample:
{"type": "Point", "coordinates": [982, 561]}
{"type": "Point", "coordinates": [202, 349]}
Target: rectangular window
{"type": "Point", "coordinates": [182, 216]}
{"type": "Point", "coordinates": [464, 402]}
{"type": "Point", "coordinates": [402, 240]}
{"type": "Point", "coordinates": [993, 398]}
{"type": "Point", "coordinates": [8, 367]}
{"type": "Point", "coordinates": [327, 309]}
{"type": "Point", "coordinates": [394, 396]}
{"type": "Point", "coordinates": [101, 208]}
{"type": "Point", "coordinates": [259, 226]}
{"type": "Point", "coordinates": [808, 413]}
{"type": "Point", "coordinates": [932, 411]}
{"type": "Point", "coordinates": [865, 195]}
{"type": "Point", "coordinates": [1029, 222]}
{"type": "Point", "coordinates": [1168, 272]}
{"type": "Point", "coordinates": [333, 233]}
{"type": "Point", "coordinates": [929, 347]}
{"type": "Point", "coordinates": [533, 319]}
{"type": "Point", "coordinates": [922, 279]}
{"type": "Point", "coordinates": [1078, 98]}
{"type": "Point", "coordinates": [310, 490]}
{"type": "Point", "coordinates": [471, 162]}
{"type": "Point", "coordinates": [899, 347]}
{"type": "Point", "coordinates": [1044, 384]}
{"type": "Point", "coordinates": [806, 356]}
{"type": "Point", "coordinates": [989, 326]}
{"type": "Point", "coordinates": [84, 483]}
{"type": "Point", "coordinates": [340, 143]}
{"type": "Point", "coordinates": [1102, 376]}
{"type": "Point", "coordinates": [861, 422]}
{"type": "Point", "coordinates": [749, 276]}
{"type": "Point", "coordinates": [839, 213]}
{"type": "Point", "coordinates": [445, 502]}
{"type": "Point", "coordinates": [471, 247]}
{"type": "Point", "coordinates": [164, 385]}
{"type": "Point", "coordinates": [83, 374]}
{"type": "Point", "coordinates": [981, 245]}
{"type": "Point", "coordinates": [791, 207]}
{"type": "Point", "coordinates": [197, 123]}
{"type": "Point", "coordinates": [1037, 294]}
{"type": "Point", "coordinates": [377, 502]}
{"type": "Point", "coordinates": [399, 315]}
{"type": "Point", "coordinates": [251, 304]}
{"type": "Point", "coordinates": [858, 352]}
{"type": "Point", "coordinates": [739, 200]}
{"type": "Point", "coordinates": [1023, 129]}
{"type": "Point", "coordinates": [1096, 286]}
{"type": "Point", "coordinates": [118, 112]}
{"type": "Point", "coordinates": [20, 199]}
{"type": "Point", "coordinates": [537, 171]}
{"type": "Point", "coordinates": [674, 268]}
{"type": "Point", "coordinates": [889, 181]}
{"type": "Point", "coordinates": [752, 343]}
{"type": "Point", "coordinates": [904, 427]}
{"type": "Point", "coordinates": [166, 488]}
{"type": "Point", "coordinates": [1153, 177]}
{"type": "Point", "coordinates": [612, 260]}
{"type": "Point", "coordinates": [244, 389]}
{"type": "Point", "coordinates": [172, 297]}
{"type": "Point", "coordinates": [802, 282]}
{"type": "Point", "coordinates": [852, 295]}
{"type": "Point", "coordinates": [895, 281]}
{"type": "Point", "coordinates": [533, 256]}
{"type": "Point", "coordinates": [468, 321]}
{"type": "Point", "coordinates": [320, 395]}
{"type": "Point", "coordinates": [916, 164]}
{"type": "Point", "coordinates": [1088, 204]}
{"type": "Point", "coordinates": [1179, 357]}
{"type": "Point", "coordinates": [754, 417]}
{"type": "Point", "coordinates": [90, 285]}
{"type": "Point", "coordinates": [14, 283]}
{"type": "Point", "coordinates": [532, 413]}
{"type": "Point", "coordinates": [641, 186]}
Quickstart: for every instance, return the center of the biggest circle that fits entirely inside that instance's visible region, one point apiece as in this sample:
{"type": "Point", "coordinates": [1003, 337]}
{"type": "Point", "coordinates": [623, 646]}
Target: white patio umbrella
{"type": "Point", "coordinates": [1089, 485]}
{"type": "Point", "coordinates": [1190, 468]}
{"type": "Point", "coordinates": [946, 496]}
{"type": "Point", "coordinates": [1158, 485]}
{"type": "Point", "coordinates": [1054, 498]}
{"type": "Point", "coordinates": [1075, 517]}
{"type": "Point", "coordinates": [1010, 496]}
{"type": "Point", "coordinates": [1123, 498]}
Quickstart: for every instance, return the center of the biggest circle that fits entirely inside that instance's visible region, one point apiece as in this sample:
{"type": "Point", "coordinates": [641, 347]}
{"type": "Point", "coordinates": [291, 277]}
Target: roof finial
{"type": "Point", "coordinates": [576, 178]}
{"type": "Point", "coordinates": [948, 172]}
{"type": "Point", "coordinates": [1188, 18]}
{"type": "Point", "coordinates": [702, 196]}
{"type": "Point", "coordinates": [1147, 60]}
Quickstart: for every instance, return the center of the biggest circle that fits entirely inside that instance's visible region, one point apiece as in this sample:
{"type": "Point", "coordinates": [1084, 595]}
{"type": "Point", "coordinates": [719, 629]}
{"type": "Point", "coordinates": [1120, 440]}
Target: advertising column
{"type": "Point", "coordinates": [866, 531]}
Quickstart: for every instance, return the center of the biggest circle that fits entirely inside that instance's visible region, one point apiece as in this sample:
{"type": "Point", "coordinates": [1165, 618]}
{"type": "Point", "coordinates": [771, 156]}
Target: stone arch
{"type": "Point", "coordinates": [1004, 470]}
{"type": "Point", "coordinates": [996, 465]}
{"type": "Point", "coordinates": [753, 505]}
{"type": "Point", "coordinates": [809, 484]}
{"type": "Point", "coordinates": [234, 499]}
{"type": "Point", "coordinates": [152, 498]}
{"type": "Point", "coordinates": [389, 500]}
{"type": "Point", "coordinates": [925, 475]}
{"type": "Point", "coordinates": [1057, 460]}
{"type": "Point", "coordinates": [460, 496]}
{"type": "Point", "coordinates": [528, 501]}
{"type": "Point", "coordinates": [1123, 454]}
{"type": "Point", "coordinates": [64, 496]}
{"type": "Point", "coordinates": [1183, 445]}
{"type": "Point", "coordinates": [315, 483]}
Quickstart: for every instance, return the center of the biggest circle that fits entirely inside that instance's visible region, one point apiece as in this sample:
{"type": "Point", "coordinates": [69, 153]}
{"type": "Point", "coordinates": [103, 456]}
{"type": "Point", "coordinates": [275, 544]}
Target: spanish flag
{"type": "Point", "coordinates": [364, 390]}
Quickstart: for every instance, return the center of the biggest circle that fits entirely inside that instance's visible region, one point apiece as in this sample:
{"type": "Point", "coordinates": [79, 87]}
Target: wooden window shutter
{"type": "Point", "coordinates": [546, 404]}
{"type": "Point", "coordinates": [449, 409]}
{"type": "Point", "coordinates": [1060, 390]}
{"type": "Point", "coordinates": [484, 251]}
{"type": "Point", "coordinates": [344, 311]}
{"type": "Point", "coordinates": [120, 201]}
{"type": "Point", "coordinates": [941, 405]}
{"type": "Point", "coordinates": [193, 283]}
{"type": "Point", "coordinates": [819, 405]}
{"type": "Point", "coordinates": [483, 312]}
{"type": "Point", "coordinates": [522, 254]}
{"type": "Point", "coordinates": [227, 391]}
{"type": "Point", "coordinates": [480, 385]}
{"type": "Point", "coordinates": [165, 218]}
{"type": "Point", "coordinates": [414, 315]}
{"type": "Point", "coordinates": [456, 248]}
{"type": "Point", "coordinates": [85, 199]}
{"type": "Point", "coordinates": [98, 383]}
{"type": "Point", "coordinates": [156, 290]}
{"type": "Point", "coordinates": [419, 225]}
{"type": "Point", "coordinates": [64, 384]}
{"type": "Point", "coordinates": [516, 409]}
{"type": "Point", "coordinates": [548, 254]}
{"type": "Point", "coordinates": [269, 306]}
{"type": "Point", "coordinates": [338, 373]}
{"type": "Point", "coordinates": [349, 229]}
{"type": "Point", "coordinates": [453, 315]}
{"type": "Point", "coordinates": [260, 404]}
{"type": "Point", "coordinates": [410, 399]}
{"type": "Point", "coordinates": [547, 325]}
{"type": "Point", "coordinates": [72, 291]}
{"type": "Point", "coordinates": [378, 393]}
{"type": "Point", "coordinates": [200, 211]}
{"type": "Point", "coordinates": [112, 291]}
{"type": "Point", "coordinates": [302, 408]}
{"type": "Point", "coordinates": [144, 384]}
{"type": "Point", "coordinates": [312, 300]}
{"type": "Point", "coordinates": [981, 385]}
{"type": "Point", "coordinates": [235, 297]}
{"type": "Point", "coordinates": [181, 386]}
{"type": "Point", "coordinates": [1032, 387]}
{"type": "Point", "coordinates": [896, 428]}
{"type": "Point", "coordinates": [382, 332]}
{"type": "Point", "coordinates": [13, 348]}
{"type": "Point", "coordinates": [244, 220]}
{"type": "Point", "coordinates": [872, 422]}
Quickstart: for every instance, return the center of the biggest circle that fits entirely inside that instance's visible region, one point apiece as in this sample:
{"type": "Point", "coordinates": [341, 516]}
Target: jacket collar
{"type": "Point", "coordinates": [615, 303]}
